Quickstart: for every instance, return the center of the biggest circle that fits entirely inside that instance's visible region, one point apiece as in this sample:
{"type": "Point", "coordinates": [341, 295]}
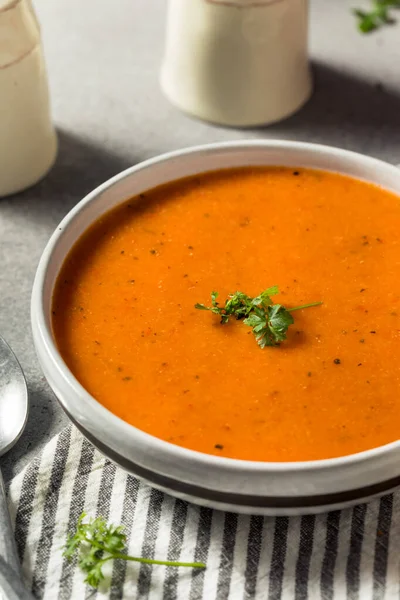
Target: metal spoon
{"type": "Point", "coordinates": [13, 415]}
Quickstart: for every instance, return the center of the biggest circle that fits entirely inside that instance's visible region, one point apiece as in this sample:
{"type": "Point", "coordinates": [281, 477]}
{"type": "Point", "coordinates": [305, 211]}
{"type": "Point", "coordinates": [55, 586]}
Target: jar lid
{"type": "Point", "coordinates": [19, 31]}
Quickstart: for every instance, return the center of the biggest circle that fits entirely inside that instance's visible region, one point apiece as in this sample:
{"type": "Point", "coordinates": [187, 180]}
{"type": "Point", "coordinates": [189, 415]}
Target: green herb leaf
{"type": "Point", "coordinates": [96, 543]}
{"type": "Point", "coordinates": [268, 321]}
{"type": "Point", "coordinates": [279, 321]}
{"type": "Point", "coordinates": [376, 17]}
{"type": "Point", "coordinates": [265, 297]}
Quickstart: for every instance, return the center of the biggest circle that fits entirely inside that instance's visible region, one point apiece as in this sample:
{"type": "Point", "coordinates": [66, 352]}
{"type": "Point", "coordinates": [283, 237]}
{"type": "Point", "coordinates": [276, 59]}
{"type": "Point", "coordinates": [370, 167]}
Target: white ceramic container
{"type": "Point", "coordinates": [28, 143]}
{"type": "Point", "coordinates": [237, 62]}
{"type": "Point", "coordinates": [236, 485]}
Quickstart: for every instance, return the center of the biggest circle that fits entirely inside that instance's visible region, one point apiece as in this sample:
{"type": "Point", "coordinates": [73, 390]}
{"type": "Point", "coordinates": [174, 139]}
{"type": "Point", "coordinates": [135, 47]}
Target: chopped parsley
{"type": "Point", "coordinates": [378, 15]}
{"type": "Point", "coordinates": [96, 543]}
{"type": "Point", "coordinates": [269, 321]}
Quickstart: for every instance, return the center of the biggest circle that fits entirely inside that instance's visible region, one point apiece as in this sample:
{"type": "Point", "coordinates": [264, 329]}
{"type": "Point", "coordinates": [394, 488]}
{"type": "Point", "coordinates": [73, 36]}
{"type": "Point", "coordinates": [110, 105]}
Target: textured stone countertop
{"type": "Point", "coordinates": [103, 60]}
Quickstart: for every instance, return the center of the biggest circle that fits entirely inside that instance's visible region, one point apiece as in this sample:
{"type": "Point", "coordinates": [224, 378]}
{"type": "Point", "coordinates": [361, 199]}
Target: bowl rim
{"type": "Point", "coordinates": [104, 415]}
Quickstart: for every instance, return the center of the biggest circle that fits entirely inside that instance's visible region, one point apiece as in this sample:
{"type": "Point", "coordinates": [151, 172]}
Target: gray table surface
{"type": "Point", "coordinates": [103, 59]}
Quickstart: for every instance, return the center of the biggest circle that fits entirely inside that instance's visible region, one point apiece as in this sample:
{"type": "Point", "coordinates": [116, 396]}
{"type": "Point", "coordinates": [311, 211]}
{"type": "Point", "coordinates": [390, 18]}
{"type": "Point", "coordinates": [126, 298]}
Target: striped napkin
{"type": "Point", "coordinates": [353, 554]}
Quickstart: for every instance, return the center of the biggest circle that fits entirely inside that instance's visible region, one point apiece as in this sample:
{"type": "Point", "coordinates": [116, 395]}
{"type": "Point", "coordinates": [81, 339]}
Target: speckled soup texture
{"type": "Point", "coordinates": [126, 325]}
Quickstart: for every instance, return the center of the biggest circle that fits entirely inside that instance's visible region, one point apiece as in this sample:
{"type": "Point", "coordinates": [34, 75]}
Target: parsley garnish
{"type": "Point", "coordinates": [376, 17]}
{"type": "Point", "coordinates": [268, 321]}
{"type": "Point", "coordinates": [98, 542]}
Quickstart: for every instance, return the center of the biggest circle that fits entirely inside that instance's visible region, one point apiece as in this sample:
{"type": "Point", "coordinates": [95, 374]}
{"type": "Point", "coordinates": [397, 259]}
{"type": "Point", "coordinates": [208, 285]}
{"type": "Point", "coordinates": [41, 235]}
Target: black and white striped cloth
{"type": "Point", "coordinates": [353, 554]}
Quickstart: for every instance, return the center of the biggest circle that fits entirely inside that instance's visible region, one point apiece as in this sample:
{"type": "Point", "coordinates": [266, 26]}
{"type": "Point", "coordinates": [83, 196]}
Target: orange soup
{"type": "Point", "coordinates": [125, 323]}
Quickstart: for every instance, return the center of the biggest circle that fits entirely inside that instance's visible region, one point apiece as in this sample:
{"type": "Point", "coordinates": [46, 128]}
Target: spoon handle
{"type": "Point", "coordinates": [8, 550]}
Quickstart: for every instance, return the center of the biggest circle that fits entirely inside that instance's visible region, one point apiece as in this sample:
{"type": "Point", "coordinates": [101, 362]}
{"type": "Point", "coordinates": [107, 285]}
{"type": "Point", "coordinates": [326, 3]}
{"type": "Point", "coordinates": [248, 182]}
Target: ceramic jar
{"type": "Point", "coordinates": [27, 138]}
{"type": "Point", "coordinates": [237, 62]}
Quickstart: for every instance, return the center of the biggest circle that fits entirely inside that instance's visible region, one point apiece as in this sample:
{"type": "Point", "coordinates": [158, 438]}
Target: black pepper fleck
{"type": "Point", "coordinates": [219, 446]}
{"type": "Point", "coordinates": [337, 361]}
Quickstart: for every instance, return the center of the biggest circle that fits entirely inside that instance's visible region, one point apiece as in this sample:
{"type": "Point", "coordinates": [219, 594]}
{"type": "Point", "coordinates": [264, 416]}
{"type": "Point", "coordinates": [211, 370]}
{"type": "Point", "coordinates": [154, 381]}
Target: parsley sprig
{"type": "Point", "coordinates": [96, 542]}
{"type": "Point", "coordinates": [269, 321]}
{"type": "Point", "coordinates": [378, 15]}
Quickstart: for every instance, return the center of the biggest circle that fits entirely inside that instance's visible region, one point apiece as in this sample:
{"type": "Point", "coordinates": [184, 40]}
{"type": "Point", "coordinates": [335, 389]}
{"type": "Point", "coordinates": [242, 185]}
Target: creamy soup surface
{"type": "Point", "coordinates": [125, 323]}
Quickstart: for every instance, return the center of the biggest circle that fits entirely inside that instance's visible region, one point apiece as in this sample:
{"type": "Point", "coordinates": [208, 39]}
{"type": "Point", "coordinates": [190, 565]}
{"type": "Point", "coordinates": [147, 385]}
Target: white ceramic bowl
{"type": "Point", "coordinates": [236, 485]}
